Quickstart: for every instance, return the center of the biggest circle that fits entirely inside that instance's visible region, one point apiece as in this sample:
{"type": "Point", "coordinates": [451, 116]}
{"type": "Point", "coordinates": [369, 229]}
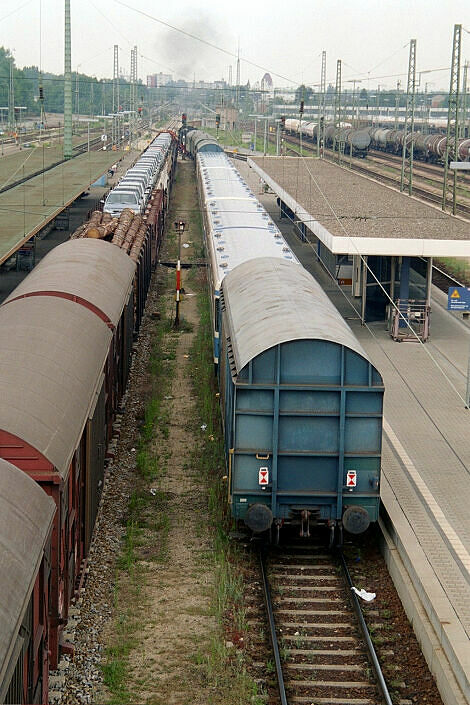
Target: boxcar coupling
{"type": "Point", "coordinates": [301, 401]}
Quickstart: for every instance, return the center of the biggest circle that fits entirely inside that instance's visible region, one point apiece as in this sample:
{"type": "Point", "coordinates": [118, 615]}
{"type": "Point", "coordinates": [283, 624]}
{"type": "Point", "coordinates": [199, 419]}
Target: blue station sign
{"type": "Point", "coordinates": [458, 298]}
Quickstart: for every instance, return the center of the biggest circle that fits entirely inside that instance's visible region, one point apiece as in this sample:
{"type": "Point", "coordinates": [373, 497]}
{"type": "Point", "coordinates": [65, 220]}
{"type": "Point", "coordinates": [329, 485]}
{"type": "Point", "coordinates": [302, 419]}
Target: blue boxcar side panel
{"type": "Point", "coordinates": [314, 434]}
{"type": "Point", "coordinates": [313, 475]}
{"type": "Point", "coordinates": [309, 411]}
{"type": "Point", "coordinates": [253, 432]}
{"type": "Point", "coordinates": [306, 400]}
{"type": "Point", "coordinates": [362, 435]}
{"type": "Point", "coordinates": [310, 362]}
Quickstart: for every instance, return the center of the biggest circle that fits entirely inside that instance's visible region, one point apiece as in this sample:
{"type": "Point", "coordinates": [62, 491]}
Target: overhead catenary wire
{"type": "Point", "coordinates": [17, 9]}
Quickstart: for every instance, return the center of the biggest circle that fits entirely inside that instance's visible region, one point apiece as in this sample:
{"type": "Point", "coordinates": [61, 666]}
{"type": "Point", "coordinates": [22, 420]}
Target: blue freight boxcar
{"type": "Point", "coordinates": [198, 142]}
{"type": "Point", "coordinates": [301, 402]}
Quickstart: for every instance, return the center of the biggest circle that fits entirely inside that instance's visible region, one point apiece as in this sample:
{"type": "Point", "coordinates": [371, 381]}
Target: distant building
{"type": "Point", "coordinates": [228, 117]}
{"type": "Point", "coordinates": [156, 80]}
{"type": "Point", "coordinates": [267, 84]}
{"type": "Point", "coordinates": [438, 101]}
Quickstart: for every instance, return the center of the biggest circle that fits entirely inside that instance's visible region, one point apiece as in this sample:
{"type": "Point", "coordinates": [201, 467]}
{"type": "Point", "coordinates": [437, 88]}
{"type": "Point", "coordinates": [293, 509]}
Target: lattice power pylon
{"type": "Point", "coordinates": [463, 120]}
{"type": "Point", "coordinates": [116, 98]}
{"type": "Point", "coordinates": [409, 121]}
{"type": "Point", "coordinates": [68, 146]}
{"type": "Point", "coordinates": [11, 99]}
{"type": "Point", "coordinates": [337, 118]}
{"type": "Point", "coordinates": [132, 86]}
{"type": "Point", "coordinates": [321, 111]}
{"type": "Point", "coordinates": [453, 118]}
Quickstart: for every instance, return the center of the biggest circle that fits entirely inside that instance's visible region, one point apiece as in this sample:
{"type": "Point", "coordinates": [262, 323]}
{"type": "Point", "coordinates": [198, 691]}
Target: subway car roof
{"type": "Point", "coordinates": [269, 301]}
{"type": "Point", "coordinates": [91, 270]}
{"type": "Point", "coordinates": [26, 514]}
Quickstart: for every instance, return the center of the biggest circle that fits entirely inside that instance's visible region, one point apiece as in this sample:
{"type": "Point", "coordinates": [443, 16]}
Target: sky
{"type": "Point", "coordinates": [283, 38]}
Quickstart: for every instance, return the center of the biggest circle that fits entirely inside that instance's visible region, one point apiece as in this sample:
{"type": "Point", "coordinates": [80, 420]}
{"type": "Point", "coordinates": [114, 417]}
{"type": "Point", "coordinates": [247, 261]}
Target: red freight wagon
{"type": "Point", "coordinates": [26, 516]}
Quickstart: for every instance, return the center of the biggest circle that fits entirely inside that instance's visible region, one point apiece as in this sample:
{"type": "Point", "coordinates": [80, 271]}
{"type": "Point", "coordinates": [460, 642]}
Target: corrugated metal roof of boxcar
{"type": "Point", "coordinates": [269, 301]}
{"type": "Point", "coordinates": [26, 514]}
{"type": "Point", "coordinates": [93, 270]}
{"type": "Point", "coordinates": [52, 354]}
{"type": "Point", "coordinates": [197, 139]}
{"type": "Point", "coordinates": [240, 228]}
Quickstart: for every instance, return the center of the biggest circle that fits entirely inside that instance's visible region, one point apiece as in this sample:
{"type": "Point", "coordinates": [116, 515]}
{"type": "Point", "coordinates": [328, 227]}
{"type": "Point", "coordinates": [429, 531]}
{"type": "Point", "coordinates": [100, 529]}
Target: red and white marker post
{"type": "Point", "coordinates": [179, 226]}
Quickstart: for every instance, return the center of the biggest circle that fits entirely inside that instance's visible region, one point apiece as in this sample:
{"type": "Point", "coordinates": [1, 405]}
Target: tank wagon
{"type": "Point", "coordinates": [426, 147]}
{"type": "Point", "coordinates": [236, 226]}
{"type": "Point", "coordinates": [198, 142]}
{"type": "Point", "coordinates": [301, 404]}
{"type": "Point", "coordinates": [26, 516]}
{"type": "Point", "coordinates": [351, 139]}
{"type": "Point", "coordinates": [358, 140]}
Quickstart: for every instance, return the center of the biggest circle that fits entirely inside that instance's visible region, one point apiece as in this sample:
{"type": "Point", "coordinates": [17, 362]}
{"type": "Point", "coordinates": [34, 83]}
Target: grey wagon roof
{"type": "Point", "coordinates": [52, 354]}
{"type": "Point", "coordinates": [26, 514]}
{"type": "Point", "coordinates": [93, 270]}
{"type": "Point", "coordinates": [238, 228]}
{"type": "Point", "coordinates": [270, 301]}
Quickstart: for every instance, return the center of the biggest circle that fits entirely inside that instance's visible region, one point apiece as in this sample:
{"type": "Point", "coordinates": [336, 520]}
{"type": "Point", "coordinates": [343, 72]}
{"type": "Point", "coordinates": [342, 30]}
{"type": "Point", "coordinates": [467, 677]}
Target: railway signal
{"type": "Point", "coordinates": [180, 226]}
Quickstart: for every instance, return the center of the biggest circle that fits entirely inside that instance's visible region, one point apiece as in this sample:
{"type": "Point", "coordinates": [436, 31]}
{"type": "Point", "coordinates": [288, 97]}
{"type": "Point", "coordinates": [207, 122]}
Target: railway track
{"type": "Point", "coordinates": [316, 625]}
{"type": "Point", "coordinates": [443, 280]}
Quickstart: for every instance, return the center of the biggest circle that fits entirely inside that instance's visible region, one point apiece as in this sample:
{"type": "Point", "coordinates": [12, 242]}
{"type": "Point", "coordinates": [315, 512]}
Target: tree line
{"type": "Point", "coordinates": [90, 95]}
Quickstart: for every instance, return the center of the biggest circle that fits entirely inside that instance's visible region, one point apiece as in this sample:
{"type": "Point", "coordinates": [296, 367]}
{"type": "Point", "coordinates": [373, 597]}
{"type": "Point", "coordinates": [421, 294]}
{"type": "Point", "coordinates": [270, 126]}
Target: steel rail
{"type": "Point", "coordinates": [368, 640]}
{"type": "Point", "coordinates": [272, 628]}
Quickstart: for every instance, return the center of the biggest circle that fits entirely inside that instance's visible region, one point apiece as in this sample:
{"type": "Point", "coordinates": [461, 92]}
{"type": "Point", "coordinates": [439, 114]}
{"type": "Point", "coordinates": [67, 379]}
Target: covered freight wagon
{"type": "Point", "coordinates": [301, 403]}
{"type": "Point", "coordinates": [26, 516]}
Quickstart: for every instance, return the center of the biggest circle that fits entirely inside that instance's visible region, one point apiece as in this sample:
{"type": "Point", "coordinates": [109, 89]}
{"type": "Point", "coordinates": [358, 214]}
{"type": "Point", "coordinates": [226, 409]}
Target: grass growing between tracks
{"type": "Point", "coordinates": [144, 525]}
{"type": "Point", "coordinates": [459, 268]}
{"type": "Point", "coordinates": [233, 138]}
{"type": "Point", "coordinates": [154, 656]}
{"type": "Point", "coordinates": [224, 665]}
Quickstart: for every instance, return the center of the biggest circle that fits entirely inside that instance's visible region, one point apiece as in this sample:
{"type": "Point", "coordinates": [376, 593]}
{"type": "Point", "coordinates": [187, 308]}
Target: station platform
{"type": "Point", "coordinates": [25, 161]}
{"type": "Point", "coordinates": [425, 485]}
{"type": "Point", "coordinates": [29, 207]}
{"type": "Point", "coordinates": [56, 233]}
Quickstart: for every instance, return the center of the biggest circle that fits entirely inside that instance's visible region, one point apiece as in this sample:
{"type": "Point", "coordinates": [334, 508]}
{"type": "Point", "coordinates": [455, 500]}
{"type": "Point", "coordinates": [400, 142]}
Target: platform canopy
{"type": "Point", "coordinates": [353, 214]}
